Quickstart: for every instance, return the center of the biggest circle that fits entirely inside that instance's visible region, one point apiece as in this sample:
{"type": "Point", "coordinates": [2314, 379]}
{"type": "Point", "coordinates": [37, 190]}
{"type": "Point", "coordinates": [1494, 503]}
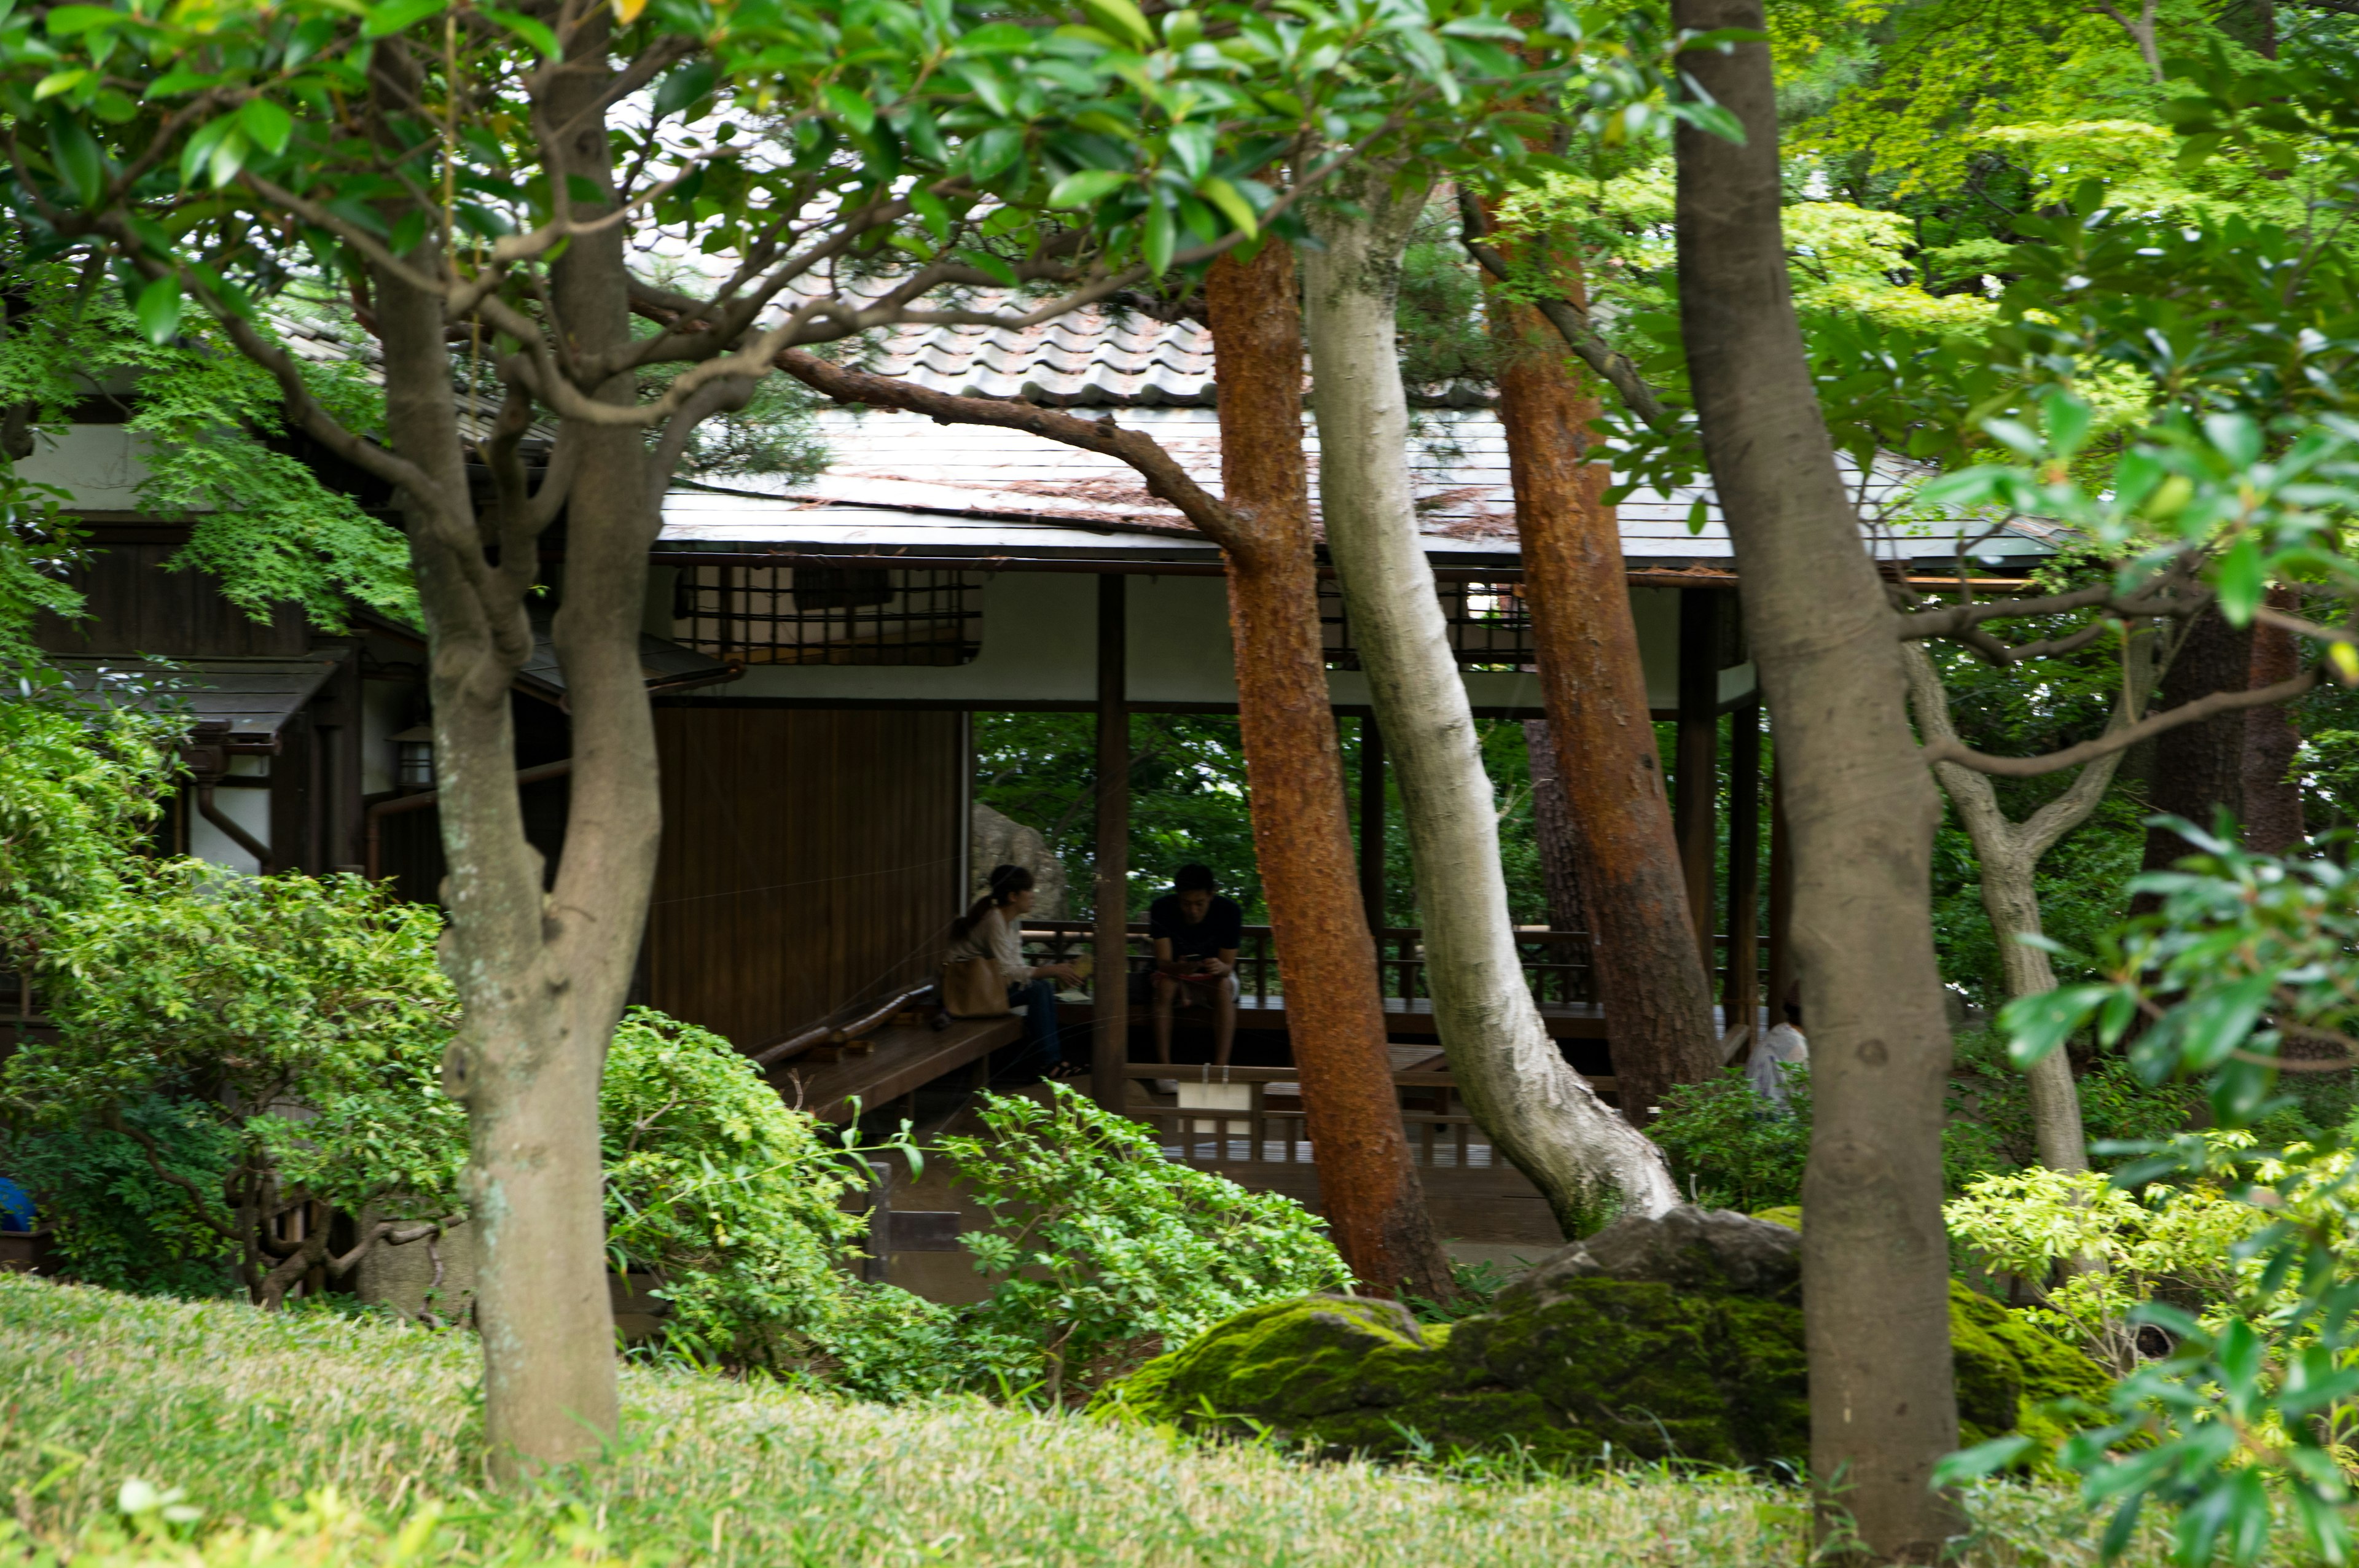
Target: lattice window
{"type": "Point", "coordinates": [1490, 625]}
{"type": "Point", "coordinates": [829, 615]}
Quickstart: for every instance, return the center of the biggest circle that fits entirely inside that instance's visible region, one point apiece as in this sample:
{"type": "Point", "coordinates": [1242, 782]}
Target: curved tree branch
{"type": "Point", "coordinates": [2121, 739]}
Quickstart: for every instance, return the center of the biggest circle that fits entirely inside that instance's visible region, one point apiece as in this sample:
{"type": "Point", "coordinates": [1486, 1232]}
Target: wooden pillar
{"type": "Point", "coordinates": [1110, 1030]}
{"type": "Point", "coordinates": [1782, 891]}
{"type": "Point", "coordinates": [1695, 777]}
{"type": "Point", "coordinates": [1742, 993]}
{"type": "Point", "coordinates": [1371, 825]}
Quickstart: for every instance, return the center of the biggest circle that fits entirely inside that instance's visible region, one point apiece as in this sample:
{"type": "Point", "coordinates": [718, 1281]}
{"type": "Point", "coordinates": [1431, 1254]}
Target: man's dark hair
{"type": "Point", "coordinates": [1194, 879]}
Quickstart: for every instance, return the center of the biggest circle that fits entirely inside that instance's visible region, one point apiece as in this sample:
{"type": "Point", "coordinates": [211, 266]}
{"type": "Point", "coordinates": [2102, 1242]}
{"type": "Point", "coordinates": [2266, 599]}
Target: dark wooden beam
{"type": "Point", "coordinates": [1110, 1026]}
{"type": "Point", "coordinates": [1741, 994]}
{"type": "Point", "coordinates": [1695, 775]}
{"type": "Point", "coordinates": [1371, 823]}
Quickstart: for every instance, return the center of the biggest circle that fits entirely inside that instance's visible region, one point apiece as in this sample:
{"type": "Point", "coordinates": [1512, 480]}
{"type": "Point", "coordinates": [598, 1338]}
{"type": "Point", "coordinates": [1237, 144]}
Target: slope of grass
{"type": "Point", "coordinates": [233, 1438]}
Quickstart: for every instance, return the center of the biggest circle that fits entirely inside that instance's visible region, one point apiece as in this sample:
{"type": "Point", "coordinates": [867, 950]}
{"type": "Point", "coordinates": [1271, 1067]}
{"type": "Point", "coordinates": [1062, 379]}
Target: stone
{"type": "Point", "coordinates": [994, 838]}
{"type": "Point", "coordinates": [1677, 1337]}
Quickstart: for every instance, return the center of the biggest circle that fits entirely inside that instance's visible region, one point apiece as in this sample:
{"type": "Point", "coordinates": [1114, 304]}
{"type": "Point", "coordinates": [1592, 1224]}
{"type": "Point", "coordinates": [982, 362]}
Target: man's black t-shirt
{"type": "Point", "coordinates": [1223, 927]}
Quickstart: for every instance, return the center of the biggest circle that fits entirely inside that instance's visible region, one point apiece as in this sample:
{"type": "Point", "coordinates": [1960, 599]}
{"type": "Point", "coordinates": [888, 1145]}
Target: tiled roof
{"type": "Point", "coordinates": [997, 487]}
{"type": "Point", "coordinates": [1100, 356]}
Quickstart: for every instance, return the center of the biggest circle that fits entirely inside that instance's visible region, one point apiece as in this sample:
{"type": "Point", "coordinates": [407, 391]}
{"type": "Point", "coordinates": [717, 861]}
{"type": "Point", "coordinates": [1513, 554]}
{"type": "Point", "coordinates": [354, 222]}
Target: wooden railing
{"type": "Point", "coordinates": [1269, 1128]}
{"type": "Point", "coordinates": [1556, 963]}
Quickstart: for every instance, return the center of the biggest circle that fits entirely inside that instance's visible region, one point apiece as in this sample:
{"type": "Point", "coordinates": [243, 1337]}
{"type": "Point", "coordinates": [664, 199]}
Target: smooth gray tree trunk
{"type": "Point", "coordinates": [1588, 1161]}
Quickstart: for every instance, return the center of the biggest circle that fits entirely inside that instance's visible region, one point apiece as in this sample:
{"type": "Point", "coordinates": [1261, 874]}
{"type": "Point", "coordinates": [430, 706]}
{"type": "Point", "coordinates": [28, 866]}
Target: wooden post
{"type": "Point", "coordinates": [1741, 995]}
{"type": "Point", "coordinates": [1110, 1028]}
{"type": "Point", "coordinates": [1782, 891]}
{"type": "Point", "coordinates": [1371, 823]}
{"type": "Point", "coordinates": [1696, 778]}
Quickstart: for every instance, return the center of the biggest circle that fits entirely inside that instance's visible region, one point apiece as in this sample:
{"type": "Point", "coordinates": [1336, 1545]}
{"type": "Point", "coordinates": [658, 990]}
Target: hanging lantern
{"type": "Point", "coordinates": [413, 757]}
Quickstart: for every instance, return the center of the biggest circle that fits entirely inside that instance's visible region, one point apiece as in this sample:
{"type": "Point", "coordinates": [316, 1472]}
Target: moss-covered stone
{"type": "Point", "coordinates": [1586, 1353]}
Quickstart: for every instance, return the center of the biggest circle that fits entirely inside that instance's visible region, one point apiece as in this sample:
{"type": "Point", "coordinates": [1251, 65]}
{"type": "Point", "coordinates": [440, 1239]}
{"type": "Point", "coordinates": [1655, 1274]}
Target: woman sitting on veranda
{"type": "Point", "coordinates": [992, 930]}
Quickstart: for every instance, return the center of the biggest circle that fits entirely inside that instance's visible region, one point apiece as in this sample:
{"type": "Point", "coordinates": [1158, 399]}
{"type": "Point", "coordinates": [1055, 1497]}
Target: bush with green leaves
{"type": "Point", "coordinates": [1103, 1249]}
{"type": "Point", "coordinates": [2253, 1414]}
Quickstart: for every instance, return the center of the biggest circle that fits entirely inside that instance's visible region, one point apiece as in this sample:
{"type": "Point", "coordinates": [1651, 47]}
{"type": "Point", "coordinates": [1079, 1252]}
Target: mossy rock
{"type": "Point", "coordinates": [1678, 1338]}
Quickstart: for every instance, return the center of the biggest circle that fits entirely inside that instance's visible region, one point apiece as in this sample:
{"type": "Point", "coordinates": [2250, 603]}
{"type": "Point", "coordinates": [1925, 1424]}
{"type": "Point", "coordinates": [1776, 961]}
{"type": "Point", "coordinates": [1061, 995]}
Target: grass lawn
{"type": "Point", "coordinates": [247, 1417]}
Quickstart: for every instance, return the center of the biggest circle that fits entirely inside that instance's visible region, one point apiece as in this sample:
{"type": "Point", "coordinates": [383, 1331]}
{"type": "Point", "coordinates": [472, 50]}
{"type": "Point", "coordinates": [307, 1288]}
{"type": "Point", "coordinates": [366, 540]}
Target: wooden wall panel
{"type": "Point", "coordinates": [137, 607]}
{"type": "Point", "coordinates": [811, 861]}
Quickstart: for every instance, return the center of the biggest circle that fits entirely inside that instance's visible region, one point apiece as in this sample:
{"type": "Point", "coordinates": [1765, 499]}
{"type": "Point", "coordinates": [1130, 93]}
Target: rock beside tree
{"type": "Point", "coordinates": [1658, 1338]}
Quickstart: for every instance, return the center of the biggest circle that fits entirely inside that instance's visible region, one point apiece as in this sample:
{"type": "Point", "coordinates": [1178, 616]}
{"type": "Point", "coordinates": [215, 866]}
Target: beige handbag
{"type": "Point", "coordinates": [972, 988]}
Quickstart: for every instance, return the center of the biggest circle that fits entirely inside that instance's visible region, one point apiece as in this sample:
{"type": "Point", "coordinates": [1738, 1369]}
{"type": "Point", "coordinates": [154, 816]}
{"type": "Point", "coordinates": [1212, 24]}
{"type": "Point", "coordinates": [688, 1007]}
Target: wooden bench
{"type": "Point", "coordinates": [905, 1058]}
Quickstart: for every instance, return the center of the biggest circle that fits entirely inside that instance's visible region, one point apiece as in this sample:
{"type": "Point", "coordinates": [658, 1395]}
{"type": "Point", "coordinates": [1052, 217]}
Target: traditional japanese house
{"type": "Point", "coordinates": [815, 651]}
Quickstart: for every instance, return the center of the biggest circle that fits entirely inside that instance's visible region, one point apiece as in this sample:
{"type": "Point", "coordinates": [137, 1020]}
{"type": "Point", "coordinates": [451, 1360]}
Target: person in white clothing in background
{"type": "Point", "coordinates": [1782, 1044]}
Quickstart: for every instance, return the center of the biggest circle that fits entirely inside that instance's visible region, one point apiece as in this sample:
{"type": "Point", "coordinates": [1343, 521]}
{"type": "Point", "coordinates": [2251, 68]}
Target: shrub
{"type": "Point", "coordinates": [1730, 1148]}
{"type": "Point", "coordinates": [1103, 1246]}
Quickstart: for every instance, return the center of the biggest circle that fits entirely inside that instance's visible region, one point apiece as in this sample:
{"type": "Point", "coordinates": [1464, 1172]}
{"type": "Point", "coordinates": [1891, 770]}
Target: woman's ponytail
{"type": "Point", "coordinates": [1005, 883]}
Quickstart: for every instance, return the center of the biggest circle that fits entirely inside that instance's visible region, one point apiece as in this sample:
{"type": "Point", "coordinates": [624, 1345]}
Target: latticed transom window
{"type": "Point", "coordinates": [829, 615]}
{"type": "Point", "coordinates": [1490, 625]}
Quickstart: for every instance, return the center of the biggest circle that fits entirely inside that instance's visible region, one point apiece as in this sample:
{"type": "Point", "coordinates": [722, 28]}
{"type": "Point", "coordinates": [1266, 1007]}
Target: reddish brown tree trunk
{"type": "Point", "coordinates": [2273, 822]}
{"type": "Point", "coordinates": [1650, 979]}
{"type": "Point", "coordinates": [1373, 1201]}
{"type": "Point", "coordinates": [1552, 829]}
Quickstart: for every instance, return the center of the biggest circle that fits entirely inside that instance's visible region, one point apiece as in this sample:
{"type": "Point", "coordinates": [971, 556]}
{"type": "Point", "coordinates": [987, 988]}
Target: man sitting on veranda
{"type": "Point", "coordinates": [1196, 933]}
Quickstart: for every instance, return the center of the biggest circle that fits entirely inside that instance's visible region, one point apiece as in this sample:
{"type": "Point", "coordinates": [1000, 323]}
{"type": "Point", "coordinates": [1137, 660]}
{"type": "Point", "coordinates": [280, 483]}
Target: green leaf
{"type": "Point", "coordinates": [1699, 514]}
{"type": "Point", "coordinates": [1982, 1459]}
{"type": "Point", "coordinates": [201, 143]}
{"type": "Point", "coordinates": [998, 38]}
{"type": "Point", "coordinates": [2236, 437]}
{"type": "Point", "coordinates": [2214, 1024]}
{"type": "Point", "coordinates": [64, 21]}
{"type": "Point", "coordinates": [531, 29]}
{"type": "Point", "coordinates": [680, 88]}
{"type": "Point", "coordinates": [1123, 21]}
{"type": "Point", "coordinates": [2036, 1025]}
{"type": "Point", "coordinates": [172, 83]}
{"type": "Point", "coordinates": [159, 310]}
{"type": "Point", "coordinates": [1191, 148]}
{"type": "Point", "coordinates": [1087, 187]}
{"type": "Point", "coordinates": [229, 156]}
{"type": "Point", "coordinates": [1158, 239]}
{"type": "Point", "coordinates": [408, 231]}
{"type": "Point", "coordinates": [1231, 203]}
{"type": "Point", "coordinates": [80, 163]}
{"type": "Point", "coordinates": [396, 15]}
{"type": "Point", "coordinates": [983, 261]}
{"type": "Point", "coordinates": [2242, 580]}
{"type": "Point", "coordinates": [267, 124]}
{"type": "Point", "coordinates": [59, 81]}
{"type": "Point", "coordinates": [852, 107]}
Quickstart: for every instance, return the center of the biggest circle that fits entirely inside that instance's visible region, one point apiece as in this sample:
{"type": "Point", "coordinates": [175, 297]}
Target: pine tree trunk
{"type": "Point", "coordinates": [2273, 822]}
{"type": "Point", "coordinates": [1552, 829]}
{"type": "Point", "coordinates": [1541, 1115]}
{"type": "Point", "coordinates": [1650, 976]}
{"type": "Point", "coordinates": [1862, 808]}
{"type": "Point", "coordinates": [1334, 1008]}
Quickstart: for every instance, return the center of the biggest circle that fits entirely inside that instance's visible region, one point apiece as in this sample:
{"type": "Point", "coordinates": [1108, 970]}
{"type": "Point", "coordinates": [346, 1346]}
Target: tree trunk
{"type": "Point", "coordinates": [2008, 854]}
{"type": "Point", "coordinates": [2273, 822]}
{"type": "Point", "coordinates": [1334, 1008]}
{"type": "Point", "coordinates": [2197, 768]}
{"type": "Point", "coordinates": [1650, 976]}
{"type": "Point", "coordinates": [540, 976]}
{"type": "Point", "coordinates": [1862, 808]}
{"type": "Point", "coordinates": [1542, 1114]}
{"type": "Point", "coordinates": [1553, 827]}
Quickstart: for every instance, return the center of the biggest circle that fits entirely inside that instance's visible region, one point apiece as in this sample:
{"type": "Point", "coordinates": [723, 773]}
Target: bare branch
{"type": "Point", "coordinates": [1572, 324]}
{"type": "Point", "coordinates": [1164, 476]}
{"type": "Point", "coordinates": [2203, 708]}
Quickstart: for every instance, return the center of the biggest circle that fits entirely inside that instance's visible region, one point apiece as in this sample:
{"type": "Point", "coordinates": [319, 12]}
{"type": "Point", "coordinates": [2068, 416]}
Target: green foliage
{"type": "Point", "coordinates": [1730, 1148]}
{"type": "Point", "coordinates": [1102, 1244]}
{"type": "Point", "coordinates": [732, 1201]}
{"type": "Point", "coordinates": [2249, 955]}
{"type": "Point", "coordinates": [115, 1219]}
{"type": "Point", "coordinates": [211, 427]}
{"type": "Point", "coordinates": [2047, 1227]}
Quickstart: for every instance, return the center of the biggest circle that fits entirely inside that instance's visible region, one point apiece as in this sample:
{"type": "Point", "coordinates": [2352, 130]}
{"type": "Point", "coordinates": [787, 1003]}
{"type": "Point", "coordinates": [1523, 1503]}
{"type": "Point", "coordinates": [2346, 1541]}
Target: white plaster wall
{"type": "Point", "coordinates": [99, 465]}
{"type": "Point", "coordinates": [249, 808]}
{"type": "Point", "coordinates": [1040, 645]}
